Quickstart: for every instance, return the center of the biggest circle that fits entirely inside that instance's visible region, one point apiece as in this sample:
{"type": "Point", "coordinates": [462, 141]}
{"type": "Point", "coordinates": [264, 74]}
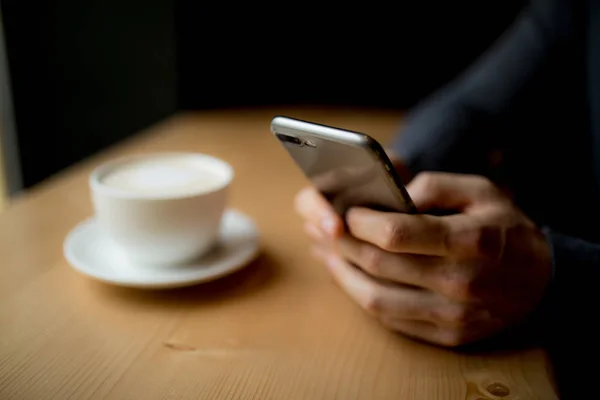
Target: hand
{"type": "Point", "coordinates": [447, 280]}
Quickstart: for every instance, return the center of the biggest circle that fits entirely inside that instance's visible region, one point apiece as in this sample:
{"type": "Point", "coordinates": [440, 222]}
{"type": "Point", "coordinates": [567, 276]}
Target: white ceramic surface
{"type": "Point", "coordinates": [90, 253]}
{"type": "Point", "coordinates": [165, 227]}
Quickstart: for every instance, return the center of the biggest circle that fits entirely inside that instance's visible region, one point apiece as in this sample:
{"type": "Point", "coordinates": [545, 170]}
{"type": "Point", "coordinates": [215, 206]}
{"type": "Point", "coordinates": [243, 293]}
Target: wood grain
{"type": "Point", "coordinates": [279, 329]}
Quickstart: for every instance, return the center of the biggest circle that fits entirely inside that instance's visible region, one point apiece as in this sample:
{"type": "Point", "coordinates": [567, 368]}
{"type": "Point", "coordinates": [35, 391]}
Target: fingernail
{"type": "Point", "coordinates": [328, 225]}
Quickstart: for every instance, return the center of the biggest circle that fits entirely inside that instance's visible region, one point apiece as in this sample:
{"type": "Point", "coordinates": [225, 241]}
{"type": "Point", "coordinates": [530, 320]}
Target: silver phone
{"type": "Point", "coordinates": [348, 168]}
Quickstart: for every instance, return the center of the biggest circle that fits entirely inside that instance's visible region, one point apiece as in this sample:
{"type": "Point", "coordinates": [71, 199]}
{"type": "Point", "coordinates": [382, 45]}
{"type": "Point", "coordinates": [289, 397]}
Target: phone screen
{"type": "Point", "coordinates": [347, 175]}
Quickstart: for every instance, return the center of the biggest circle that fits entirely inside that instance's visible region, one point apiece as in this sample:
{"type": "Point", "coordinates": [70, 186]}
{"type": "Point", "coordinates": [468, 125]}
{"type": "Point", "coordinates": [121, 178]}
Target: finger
{"type": "Point", "coordinates": [314, 232]}
{"type": "Point", "coordinates": [381, 300]}
{"type": "Point", "coordinates": [400, 233]}
{"type": "Point", "coordinates": [425, 331]}
{"type": "Point", "coordinates": [456, 235]}
{"type": "Point", "coordinates": [407, 269]}
{"type": "Point", "coordinates": [401, 302]}
{"type": "Point", "coordinates": [313, 207]}
{"type": "Point", "coordinates": [319, 252]}
{"type": "Point", "coordinates": [446, 191]}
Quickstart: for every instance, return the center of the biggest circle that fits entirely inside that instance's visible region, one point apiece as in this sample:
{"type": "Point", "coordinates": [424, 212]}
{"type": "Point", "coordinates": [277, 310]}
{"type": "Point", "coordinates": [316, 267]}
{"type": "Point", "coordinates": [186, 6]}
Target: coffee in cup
{"type": "Point", "coordinates": [161, 209]}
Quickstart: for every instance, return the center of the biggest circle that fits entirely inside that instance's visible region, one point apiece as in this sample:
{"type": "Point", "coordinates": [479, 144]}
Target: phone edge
{"type": "Point", "coordinates": [358, 139]}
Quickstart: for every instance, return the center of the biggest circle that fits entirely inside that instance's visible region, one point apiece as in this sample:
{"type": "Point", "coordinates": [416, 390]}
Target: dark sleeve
{"type": "Point", "coordinates": [574, 285]}
{"type": "Point", "coordinates": [453, 127]}
{"type": "Point", "coordinates": [566, 320]}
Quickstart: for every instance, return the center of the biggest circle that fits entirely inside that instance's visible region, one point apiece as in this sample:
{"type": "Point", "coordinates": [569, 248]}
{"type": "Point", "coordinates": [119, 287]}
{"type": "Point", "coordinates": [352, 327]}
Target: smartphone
{"type": "Point", "coordinates": [348, 168]}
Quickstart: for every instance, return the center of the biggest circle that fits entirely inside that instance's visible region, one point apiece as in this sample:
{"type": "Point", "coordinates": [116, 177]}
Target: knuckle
{"type": "Point", "coordinates": [457, 316]}
{"type": "Point", "coordinates": [473, 242]}
{"type": "Point", "coordinates": [392, 235]}
{"type": "Point", "coordinates": [456, 286]}
{"type": "Point", "coordinates": [427, 182]}
{"type": "Point", "coordinates": [371, 260]}
{"type": "Point", "coordinates": [483, 242]}
{"type": "Point", "coordinates": [372, 301]}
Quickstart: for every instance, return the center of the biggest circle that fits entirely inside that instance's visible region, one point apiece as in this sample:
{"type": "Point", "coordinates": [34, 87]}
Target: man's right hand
{"type": "Point", "coordinates": [449, 279]}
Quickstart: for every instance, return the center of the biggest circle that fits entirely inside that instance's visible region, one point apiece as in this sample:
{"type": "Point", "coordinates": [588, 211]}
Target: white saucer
{"type": "Point", "coordinates": [90, 253]}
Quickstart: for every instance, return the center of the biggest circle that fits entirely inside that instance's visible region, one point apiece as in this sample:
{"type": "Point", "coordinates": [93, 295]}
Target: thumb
{"type": "Point", "coordinates": [447, 191]}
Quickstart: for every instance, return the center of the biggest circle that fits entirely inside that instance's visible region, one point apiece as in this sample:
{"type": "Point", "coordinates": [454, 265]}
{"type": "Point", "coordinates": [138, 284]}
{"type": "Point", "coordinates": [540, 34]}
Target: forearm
{"type": "Point", "coordinates": [454, 129]}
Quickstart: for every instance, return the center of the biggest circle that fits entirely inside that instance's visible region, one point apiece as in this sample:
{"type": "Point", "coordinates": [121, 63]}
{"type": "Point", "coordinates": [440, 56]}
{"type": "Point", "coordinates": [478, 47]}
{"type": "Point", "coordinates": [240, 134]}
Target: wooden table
{"type": "Point", "coordinates": [279, 329]}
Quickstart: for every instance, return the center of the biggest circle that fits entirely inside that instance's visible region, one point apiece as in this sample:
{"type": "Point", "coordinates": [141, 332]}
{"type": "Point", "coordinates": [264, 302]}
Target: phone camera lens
{"type": "Point", "coordinates": [289, 139]}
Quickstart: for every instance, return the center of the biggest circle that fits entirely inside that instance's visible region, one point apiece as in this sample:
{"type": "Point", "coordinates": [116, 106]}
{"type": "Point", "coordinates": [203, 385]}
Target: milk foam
{"type": "Point", "coordinates": [162, 176]}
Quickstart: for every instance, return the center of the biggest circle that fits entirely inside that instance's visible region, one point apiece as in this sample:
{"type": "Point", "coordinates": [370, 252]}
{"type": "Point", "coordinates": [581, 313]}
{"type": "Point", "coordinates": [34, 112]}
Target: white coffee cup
{"type": "Point", "coordinates": [161, 209]}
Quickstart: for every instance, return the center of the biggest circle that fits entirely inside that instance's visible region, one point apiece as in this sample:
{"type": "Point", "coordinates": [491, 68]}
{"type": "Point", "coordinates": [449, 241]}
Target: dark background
{"type": "Point", "coordinates": [86, 74]}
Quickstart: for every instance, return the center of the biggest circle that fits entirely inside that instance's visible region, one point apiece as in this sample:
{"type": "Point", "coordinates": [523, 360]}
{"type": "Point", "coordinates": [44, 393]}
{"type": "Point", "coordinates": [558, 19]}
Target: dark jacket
{"type": "Point", "coordinates": [535, 95]}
